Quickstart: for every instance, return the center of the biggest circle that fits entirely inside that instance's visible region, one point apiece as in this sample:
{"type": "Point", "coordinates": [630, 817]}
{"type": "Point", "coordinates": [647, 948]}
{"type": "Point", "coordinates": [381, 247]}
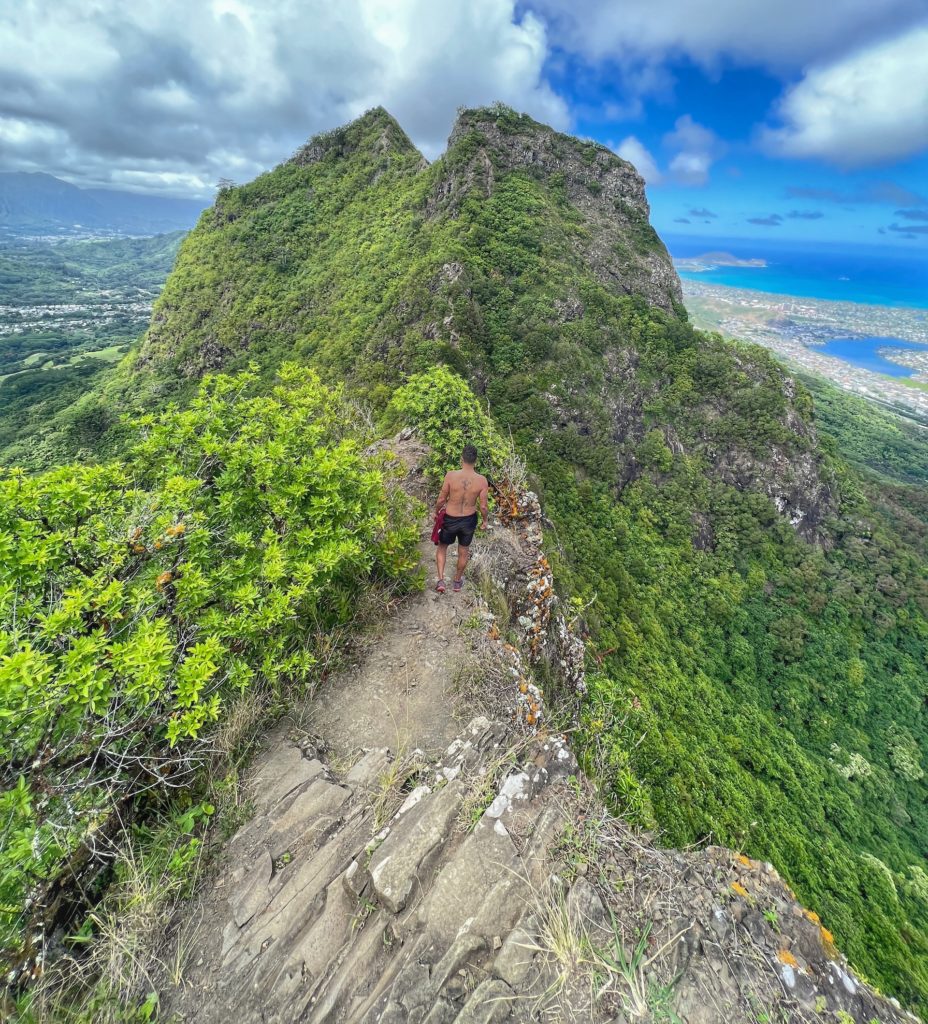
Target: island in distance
{"type": "Point", "coordinates": [711, 260]}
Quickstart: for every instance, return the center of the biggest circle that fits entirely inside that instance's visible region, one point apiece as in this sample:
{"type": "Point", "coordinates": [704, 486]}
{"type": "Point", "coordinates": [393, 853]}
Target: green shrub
{"type": "Point", "coordinates": [137, 597]}
{"type": "Point", "coordinates": [446, 414]}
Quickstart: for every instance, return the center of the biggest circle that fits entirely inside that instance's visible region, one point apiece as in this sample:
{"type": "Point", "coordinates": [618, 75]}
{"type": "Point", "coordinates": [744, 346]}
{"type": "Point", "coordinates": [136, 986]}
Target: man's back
{"type": "Point", "coordinates": [464, 489]}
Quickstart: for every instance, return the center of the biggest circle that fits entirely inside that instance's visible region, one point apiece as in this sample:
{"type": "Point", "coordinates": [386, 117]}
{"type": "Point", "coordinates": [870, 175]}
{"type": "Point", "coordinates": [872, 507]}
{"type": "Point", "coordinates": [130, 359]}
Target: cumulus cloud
{"type": "Point", "coordinates": [696, 148]}
{"type": "Point", "coordinates": [634, 152]}
{"type": "Point", "coordinates": [865, 108]}
{"type": "Point", "coordinates": [805, 215]}
{"type": "Point", "coordinates": [173, 96]}
{"type": "Point", "coordinates": [703, 213]}
{"type": "Point", "coordinates": [912, 214]}
{"type": "Point", "coordinates": [786, 35]}
{"type": "Point", "coordinates": [773, 221]}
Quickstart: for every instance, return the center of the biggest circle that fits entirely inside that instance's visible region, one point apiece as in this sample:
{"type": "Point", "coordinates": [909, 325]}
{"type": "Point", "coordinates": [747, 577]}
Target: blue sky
{"type": "Point", "coordinates": [748, 191]}
{"type": "Point", "coordinates": [748, 118]}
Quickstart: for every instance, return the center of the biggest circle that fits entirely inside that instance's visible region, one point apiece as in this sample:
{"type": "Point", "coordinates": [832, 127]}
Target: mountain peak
{"type": "Point", "coordinates": [606, 192]}
{"type": "Point", "coordinates": [375, 131]}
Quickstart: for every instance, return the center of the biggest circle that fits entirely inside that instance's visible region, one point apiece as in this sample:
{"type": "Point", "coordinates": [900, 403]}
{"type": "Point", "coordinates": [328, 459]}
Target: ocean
{"type": "Point", "coordinates": [865, 274]}
{"type": "Point", "coordinates": [865, 353]}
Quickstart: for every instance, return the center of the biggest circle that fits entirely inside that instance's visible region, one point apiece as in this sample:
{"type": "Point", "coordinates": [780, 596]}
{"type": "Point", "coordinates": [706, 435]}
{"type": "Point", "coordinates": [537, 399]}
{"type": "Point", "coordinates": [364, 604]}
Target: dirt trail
{"type": "Point", "coordinates": [402, 696]}
{"type": "Point", "coordinates": [393, 852]}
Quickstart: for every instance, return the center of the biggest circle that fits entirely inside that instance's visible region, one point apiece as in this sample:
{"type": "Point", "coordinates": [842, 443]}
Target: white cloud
{"type": "Point", "coordinates": [696, 149]}
{"type": "Point", "coordinates": [871, 106]}
{"type": "Point", "coordinates": [175, 95]}
{"type": "Point", "coordinates": [786, 34]}
{"type": "Point", "coordinates": [636, 153]}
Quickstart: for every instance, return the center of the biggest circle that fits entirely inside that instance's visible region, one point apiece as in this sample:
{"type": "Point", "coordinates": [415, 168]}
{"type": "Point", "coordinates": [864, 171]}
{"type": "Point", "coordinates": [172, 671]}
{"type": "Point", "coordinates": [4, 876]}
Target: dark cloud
{"type": "Point", "coordinates": [873, 192]}
{"type": "Point", "coordinates": [682, 220]}
{"type": "Point", "coordinates": [703, 213]}
{"type": "Point", "coordinates": [773, 221]}
{"type": "Point", "coordinates": [909, 230]}
{"type": "Point", "coordinates": [805, 215]}
{"type": "Point", "coordinates": [912, 214]}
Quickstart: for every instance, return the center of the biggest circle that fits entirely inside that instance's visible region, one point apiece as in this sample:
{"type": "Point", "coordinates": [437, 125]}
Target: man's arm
{"type": "Point", "coordinates": [484, 507]}
{"type": "Point", "coordinates": [443, 493]}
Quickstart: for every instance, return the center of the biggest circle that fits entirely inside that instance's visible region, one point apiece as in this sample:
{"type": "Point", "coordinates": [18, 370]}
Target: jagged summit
{"type": "Point", "coordinates": [362, 225]}
{"type": "Point", "coordinates": [376, 131]}
{"type": "Point", "coordinates": [617, 242]}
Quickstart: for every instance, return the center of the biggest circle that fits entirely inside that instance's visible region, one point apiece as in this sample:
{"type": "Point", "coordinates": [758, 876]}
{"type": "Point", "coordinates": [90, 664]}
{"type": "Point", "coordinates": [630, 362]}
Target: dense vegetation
{"type": "Point", "coordinates": [76, 271]}
{"type": "Point", "coordinates": [758, 610]}
{"type": "Point", "coordinates": [889, 444]}
{"type": "Point", "coordinates": [141, 600]}
{"type": "Point", "coordinates": [70, 312]}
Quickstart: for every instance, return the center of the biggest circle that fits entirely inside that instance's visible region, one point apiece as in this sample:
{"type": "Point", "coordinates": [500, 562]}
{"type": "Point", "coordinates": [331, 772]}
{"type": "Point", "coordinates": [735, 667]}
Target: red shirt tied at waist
{"type": "Point", "coordinates": [439, 523]}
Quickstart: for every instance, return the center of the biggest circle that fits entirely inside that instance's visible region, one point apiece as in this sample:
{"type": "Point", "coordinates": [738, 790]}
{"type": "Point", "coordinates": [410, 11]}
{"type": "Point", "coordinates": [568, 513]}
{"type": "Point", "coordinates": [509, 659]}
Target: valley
{"type": "Point", "coordinates": [69, 311]}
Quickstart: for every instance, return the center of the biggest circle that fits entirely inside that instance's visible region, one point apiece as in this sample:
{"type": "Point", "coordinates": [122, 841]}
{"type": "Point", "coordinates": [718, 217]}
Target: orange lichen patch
{"type": "Point", "coordinates": [523, 687]}
{"type": "Point", "coordinates": [828, 942]}
{"type": "Point", "coordinates": [812, 916]}
{"type": "Point", "coordinates": [785, 957]}
{"type": "Point", "coordinates": [138, 549]}
{"type": "Point", "coordinates": [176, 530]}
{"type": "Point", "coordinates": [163, 579]}
{"type": "Point", "coordinates": [739, 889]}
{"type": "Point", "coordinates": [158, 545]}
{"type": "Point", "coordinates": [746, 861]}
{"type": "Point", "coordinates": [136, 533]}
{"type": "Point", "coordinates": [493, 631]}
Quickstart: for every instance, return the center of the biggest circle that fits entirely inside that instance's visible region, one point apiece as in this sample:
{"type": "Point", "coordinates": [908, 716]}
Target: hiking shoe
{"type": "Point", "coordinates": [440, 586]}
{"type": "Point", "coordinates": [457, 586]}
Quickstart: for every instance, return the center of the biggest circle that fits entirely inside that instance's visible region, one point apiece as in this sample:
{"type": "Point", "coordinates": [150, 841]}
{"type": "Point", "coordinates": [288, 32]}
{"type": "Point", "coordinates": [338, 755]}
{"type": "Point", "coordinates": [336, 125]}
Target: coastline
{"type": "Point", "coordinates": [796, 327]}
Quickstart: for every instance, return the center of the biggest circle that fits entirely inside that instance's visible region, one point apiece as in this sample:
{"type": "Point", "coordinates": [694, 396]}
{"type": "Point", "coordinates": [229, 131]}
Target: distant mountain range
{"type": "Point", "coordinates": [40, 204]}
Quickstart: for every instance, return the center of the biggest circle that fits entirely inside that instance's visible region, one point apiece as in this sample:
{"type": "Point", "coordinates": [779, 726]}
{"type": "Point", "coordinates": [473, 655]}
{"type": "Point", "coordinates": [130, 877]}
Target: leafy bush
{"type": "Point", "coordinates": [139, 597]}
{"type": "Point", "coordinates": [446, 413]}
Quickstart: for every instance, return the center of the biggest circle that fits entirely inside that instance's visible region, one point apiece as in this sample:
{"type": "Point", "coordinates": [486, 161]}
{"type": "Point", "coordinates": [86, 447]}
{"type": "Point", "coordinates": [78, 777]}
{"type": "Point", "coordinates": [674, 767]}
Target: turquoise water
{"type": "Point", "coordinates": [869, 275]}
{"type": "Point", "coordinates": [863, 352]}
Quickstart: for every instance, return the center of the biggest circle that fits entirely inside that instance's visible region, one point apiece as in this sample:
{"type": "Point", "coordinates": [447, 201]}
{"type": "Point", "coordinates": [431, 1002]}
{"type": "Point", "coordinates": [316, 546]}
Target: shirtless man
{"type": "Point", "coordinates": [459, 494]}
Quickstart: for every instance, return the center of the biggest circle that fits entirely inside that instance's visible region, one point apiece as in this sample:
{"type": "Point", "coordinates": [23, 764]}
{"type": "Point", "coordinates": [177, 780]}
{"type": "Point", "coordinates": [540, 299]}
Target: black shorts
{"type": "Point", "coordinates": [458, 528]}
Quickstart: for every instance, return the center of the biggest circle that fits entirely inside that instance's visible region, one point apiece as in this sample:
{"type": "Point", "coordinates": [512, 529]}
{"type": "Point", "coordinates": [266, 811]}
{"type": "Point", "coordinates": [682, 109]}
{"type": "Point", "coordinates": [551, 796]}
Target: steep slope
{"type": "Point", "coordinates": [758, 625]}
{"type": "Point", "coordinates": [391, 876]}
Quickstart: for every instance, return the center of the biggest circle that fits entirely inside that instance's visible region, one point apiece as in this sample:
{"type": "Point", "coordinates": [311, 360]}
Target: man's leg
{"type": "Point", "coordinates": [440, 553]}
{"type": "Point", "coordinates": [463, 559]}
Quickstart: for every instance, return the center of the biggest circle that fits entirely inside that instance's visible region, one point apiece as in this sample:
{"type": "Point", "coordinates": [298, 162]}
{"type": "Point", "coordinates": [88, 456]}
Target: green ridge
{"type": "Point", "coordinates": [756, 605]}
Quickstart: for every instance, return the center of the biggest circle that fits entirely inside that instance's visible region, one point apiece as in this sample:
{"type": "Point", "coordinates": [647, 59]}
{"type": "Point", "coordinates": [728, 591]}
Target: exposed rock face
{"type": "Point", "coordinates": [618, 242]}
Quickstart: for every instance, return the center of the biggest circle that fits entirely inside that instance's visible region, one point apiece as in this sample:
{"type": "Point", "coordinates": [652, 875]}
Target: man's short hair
{"type": "Point", "coordinates": [469, 455]}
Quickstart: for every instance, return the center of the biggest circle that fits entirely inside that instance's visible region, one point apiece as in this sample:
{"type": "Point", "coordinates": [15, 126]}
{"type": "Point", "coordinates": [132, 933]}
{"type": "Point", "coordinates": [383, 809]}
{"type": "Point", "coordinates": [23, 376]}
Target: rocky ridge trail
{"type": "Point", "coordinates": [426, 851]}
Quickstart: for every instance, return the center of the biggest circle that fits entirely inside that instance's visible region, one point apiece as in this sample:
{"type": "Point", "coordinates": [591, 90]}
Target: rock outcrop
{"type": "Point", "coordinates": [616, 241]}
